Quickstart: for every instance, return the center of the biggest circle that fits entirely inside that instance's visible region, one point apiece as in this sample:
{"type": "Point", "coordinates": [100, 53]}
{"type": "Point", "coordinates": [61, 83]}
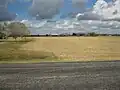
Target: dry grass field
{"type": "Point", "coordinates": [78, 48]}
{"type": "Point", "coordinates": [10, 52]}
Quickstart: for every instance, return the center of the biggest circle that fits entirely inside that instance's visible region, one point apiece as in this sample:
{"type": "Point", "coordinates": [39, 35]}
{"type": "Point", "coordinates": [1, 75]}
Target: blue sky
{"type": "Point", "coordinates": [21, 7]}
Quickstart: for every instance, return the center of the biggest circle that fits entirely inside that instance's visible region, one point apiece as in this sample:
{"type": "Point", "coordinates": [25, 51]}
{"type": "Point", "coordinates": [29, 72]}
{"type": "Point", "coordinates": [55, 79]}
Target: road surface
{"type": "Point", "coordinates": [61, 76]}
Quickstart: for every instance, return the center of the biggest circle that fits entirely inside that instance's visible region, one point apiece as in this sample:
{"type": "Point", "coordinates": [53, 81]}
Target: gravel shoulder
{"type": "Point", "coordinates": [61, 76]}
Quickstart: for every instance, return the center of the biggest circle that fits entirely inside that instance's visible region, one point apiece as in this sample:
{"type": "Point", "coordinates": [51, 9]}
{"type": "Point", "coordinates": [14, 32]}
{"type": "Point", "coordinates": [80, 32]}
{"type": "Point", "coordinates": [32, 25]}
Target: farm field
{"type": "Point", "coordinates": [39, 49]}
{"type": "Point", "coordinates": [78, 48]}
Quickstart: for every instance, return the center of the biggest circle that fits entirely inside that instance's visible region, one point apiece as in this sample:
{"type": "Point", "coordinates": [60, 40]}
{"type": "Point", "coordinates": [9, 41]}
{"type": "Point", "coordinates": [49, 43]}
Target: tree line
{"type": "Point", "coordinates": [14, 29]}
{"type": "Point", "coordinates": [91, 34]}
{"type": "Point", "coordinates": [18, 29]}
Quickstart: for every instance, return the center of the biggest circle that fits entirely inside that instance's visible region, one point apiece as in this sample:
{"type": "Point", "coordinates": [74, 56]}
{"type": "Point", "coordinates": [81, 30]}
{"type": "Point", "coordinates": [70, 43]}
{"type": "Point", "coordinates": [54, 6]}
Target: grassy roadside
{"type": "Point", "coordinates": [10, 52]}
{"type": "Point", "coordinates": [52, 60]}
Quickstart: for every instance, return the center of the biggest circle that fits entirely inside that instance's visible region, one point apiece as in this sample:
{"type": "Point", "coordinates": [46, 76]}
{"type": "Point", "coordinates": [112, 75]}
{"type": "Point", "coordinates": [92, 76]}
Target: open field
{"type": "Point", "coordinates": [10, 51]}
{"type": "Point", "coordinates": [78, 48]}
{"type": "Point", "coordinates": [61, 49]}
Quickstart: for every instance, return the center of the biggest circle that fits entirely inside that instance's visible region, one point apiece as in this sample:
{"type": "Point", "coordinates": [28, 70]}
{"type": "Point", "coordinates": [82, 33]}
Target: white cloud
{"type": "Point", "coordinates": [42, 9]}
{"type": "Point", "coordinates": [105, 11]}
{"type": "Point", "coordinates": [48, 8]}
{"type": "Point", "coordinates": [88, 16]}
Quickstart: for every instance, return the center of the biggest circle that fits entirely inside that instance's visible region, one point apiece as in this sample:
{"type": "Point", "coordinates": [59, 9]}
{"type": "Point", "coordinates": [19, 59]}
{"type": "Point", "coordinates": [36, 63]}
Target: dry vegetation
{"type": "Point", "coordinates": [10, 51]}
{"type": "Point", "coordinates": [78, 48]}
{"type": "Point", "coordinates": [60, 49]}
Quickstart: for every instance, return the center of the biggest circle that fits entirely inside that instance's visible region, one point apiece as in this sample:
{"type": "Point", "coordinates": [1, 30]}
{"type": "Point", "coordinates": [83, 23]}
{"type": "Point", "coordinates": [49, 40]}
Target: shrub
{"type": "Point", "coordinates": [92, 34]}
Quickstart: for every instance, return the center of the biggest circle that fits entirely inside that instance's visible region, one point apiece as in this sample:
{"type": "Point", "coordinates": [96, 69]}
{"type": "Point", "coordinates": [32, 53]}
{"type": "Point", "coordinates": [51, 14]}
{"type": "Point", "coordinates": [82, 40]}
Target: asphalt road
{"type": "Point", "coordinates": [61, 76]}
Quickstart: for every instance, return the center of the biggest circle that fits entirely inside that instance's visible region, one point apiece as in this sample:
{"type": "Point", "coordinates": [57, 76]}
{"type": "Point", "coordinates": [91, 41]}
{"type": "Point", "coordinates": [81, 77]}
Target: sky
{"type": "Point", "coordinates": [41, 9]}
{"type": "Point", "coordinates": [21, 8]}
{"type": "Point", "coordinates": [95, 15]}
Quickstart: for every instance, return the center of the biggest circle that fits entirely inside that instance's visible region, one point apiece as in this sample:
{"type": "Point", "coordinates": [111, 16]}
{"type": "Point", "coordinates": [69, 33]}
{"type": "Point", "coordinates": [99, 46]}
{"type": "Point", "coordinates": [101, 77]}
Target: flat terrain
{"type": "Point", "coordinates": [78, 48]}
{"type": "Point", "coordinates": [39, 49]}
{"type": "Point", "coordinates": [10, 51]}
{"type": "Point", "coordinates": [61, 76]}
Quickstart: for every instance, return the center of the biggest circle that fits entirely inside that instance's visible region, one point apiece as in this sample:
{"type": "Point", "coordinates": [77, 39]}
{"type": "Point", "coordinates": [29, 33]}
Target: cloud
{"type": "Point", "coordinates": [4, 14]}
{"type": "Point", "coordinates": [88, 16]}
{"type": "Point", "coordinates": [45, 9]}
{"type": "Point", "coordinates": [103, 10]}
{"type": "Point", "coordinates": [24, 0]}
{"type": "Point", "coordinates": [109, 11]}
{"type": "Point", "coordinates": [79, 3]}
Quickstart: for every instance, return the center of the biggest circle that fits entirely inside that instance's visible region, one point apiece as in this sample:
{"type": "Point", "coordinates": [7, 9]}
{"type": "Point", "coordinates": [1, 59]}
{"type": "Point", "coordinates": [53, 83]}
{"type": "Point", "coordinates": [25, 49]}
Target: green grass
{"type": "Point", "coordinates": [10, 52]}
{"type": "Point", "coordinates": [25, 40]}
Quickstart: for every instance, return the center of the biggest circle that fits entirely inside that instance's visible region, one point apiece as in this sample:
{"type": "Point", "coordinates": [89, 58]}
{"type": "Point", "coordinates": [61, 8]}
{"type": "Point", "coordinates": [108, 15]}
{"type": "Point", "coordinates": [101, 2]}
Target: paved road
{"type": "Point", "coordinates": [61, 76]}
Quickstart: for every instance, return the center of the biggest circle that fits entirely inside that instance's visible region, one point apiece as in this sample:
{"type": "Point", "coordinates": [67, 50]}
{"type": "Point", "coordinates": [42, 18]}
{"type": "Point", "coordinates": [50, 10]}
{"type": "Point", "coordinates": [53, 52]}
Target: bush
{"type": "Point", "coordinates": [2, 36]}
{"type": "Point", "coordinates": [92, 34]}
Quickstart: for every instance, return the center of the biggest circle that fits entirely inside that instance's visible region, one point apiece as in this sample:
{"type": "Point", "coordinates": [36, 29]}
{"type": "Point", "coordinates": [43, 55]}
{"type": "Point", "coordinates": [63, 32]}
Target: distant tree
{"type": "Point", "coordinates": [5, 24]}
{"type": "Point", "coordinates": [92, 34]}
{"type": "Point", "coordinates": [18, 29]}
{"type": "Point", "coordinates": [74, 34]}
{"type": "Point", "coordinates": [4, 33]}
{"type": "Point", "coordinates": [2, 36]}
